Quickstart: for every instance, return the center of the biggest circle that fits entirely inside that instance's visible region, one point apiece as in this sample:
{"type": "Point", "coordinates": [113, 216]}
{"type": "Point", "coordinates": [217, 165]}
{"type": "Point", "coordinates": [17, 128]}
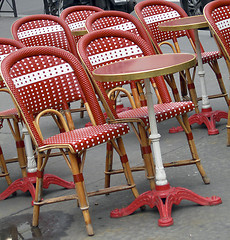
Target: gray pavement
{"type": "Point", "coordinates": [64, 220]}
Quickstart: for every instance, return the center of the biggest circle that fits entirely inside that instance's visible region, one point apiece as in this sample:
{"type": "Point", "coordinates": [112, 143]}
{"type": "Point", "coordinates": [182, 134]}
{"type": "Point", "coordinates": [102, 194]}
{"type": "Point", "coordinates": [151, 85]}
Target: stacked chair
{"type": "Point", "coordinates": [46, 30]}
{"type": "Point", "coordinates": [217, 14]}
{"type": "Point", "coordinates": [113, 44]}
{"type": "Point", "coordinates": [76, 16]}
{"type": "Point", "coordinates": [151, 13]}
{"type": "Point", "coordinates": [7, 46]}
{"type": "Point", "coordinates": [59, 78]}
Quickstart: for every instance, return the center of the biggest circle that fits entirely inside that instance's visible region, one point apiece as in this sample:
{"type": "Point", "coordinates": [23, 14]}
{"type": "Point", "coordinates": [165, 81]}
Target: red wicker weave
{"type": "Point", "coordinates": [76, 16]}
{"type": "Point", "coordinates": [43, 30]}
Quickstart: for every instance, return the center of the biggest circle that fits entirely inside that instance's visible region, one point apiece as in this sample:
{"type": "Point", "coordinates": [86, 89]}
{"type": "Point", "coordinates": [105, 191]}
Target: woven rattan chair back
{"type": "Point", "coordinates": [43, 30]}
{"type": "Point", "coordinates": [76, 16]}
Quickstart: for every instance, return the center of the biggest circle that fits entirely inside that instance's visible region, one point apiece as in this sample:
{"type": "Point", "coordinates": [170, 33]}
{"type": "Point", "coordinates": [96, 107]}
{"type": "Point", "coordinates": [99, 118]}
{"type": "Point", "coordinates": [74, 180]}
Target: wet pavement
{"type": "Point", "coordinates": [64, 220]}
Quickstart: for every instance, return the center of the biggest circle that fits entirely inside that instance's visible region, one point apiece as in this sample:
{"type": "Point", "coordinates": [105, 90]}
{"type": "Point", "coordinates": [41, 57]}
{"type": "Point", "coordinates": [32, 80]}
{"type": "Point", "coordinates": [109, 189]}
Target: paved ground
{"type": "Point", "coordinates": [64, 220]}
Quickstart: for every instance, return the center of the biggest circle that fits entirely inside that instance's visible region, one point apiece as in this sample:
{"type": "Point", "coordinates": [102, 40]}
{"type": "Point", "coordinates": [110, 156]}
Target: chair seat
{"type": "Point", "coordinates": [84, 138]}
{"type": "Point", "coordinates": [162, 111]}
{"type": "Point", "coordinates": [210, 56]}
{"type": "Point", "coordinates": [9, 113]}
{"type": "Point", "coordinates": [6, 114]}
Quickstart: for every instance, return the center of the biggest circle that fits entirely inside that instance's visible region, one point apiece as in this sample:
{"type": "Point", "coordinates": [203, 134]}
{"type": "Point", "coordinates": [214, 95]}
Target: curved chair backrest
{"type": "Point", "coordinates": [44, 30]}
{"type": "Point", "coordinates": [8, 46]}
{"type": "Point", "coordinates": [217, 14]}
{"type": "Point", "coordinates": [57, 73]}
{"type": "Point", "coordinates": [154, 12]}
{"type": "Point", "coordinates": [101, 47]}
{"type": "Point", "coordinates": [76, 16]}
{"type": "Point", "coordinates": [116, 20]}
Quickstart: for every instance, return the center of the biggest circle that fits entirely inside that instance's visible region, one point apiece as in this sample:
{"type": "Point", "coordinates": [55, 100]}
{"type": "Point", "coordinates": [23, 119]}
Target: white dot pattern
{"type": "Point", "coordinates": [39, 31]}
{"type": "Point", "coordinates": [43, 33]}
{"type": "Point", "coordinates": [114, 54]}
{"type": "Point", "coordinates": [84, 138]}
{"type": "Point", "coordinates": [77, 25]}
{"type": "Point", "coordinates": [45, 82]}
{"type": "Point", "coordinates": [161, 17]}
{"type": "Point", "coordinates": [113, 22]}
{"type": "Point", "coordinates": [5, 50]}
{"type": "Point", "coordinates": [112, 49]}
{"type": "Point", "coordinates": [41, 75]}
{"type": "Point", "coordinates": [162, 111]}
{"type": "Point", "coordinates": [221, 17]}
{"type": "Point", "coordinates": [156, 14]}
{"type": "Point", "coordinates": [77, 19]}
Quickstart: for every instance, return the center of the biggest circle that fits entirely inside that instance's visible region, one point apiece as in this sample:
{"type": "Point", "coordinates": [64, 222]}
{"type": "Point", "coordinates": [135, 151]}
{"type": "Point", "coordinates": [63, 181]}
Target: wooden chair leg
{"type": "Point", "coordinates": [20, 148]}
{"type": "Point", "coordinates": [5, 172]}
{"type": "Point", "coordinates": [192, 91]}
{"type": "Point", "coordinates": [38, 192]}
{"type": "Point", "coordinates": [228, 128]}
{"type": "Point", "coordinates": [82, 112]}
{"type": "Point", "coordinates": [216, 69]}
{"type": "Point", "coordinates": [81, 193]}
{"type": "Point", "coordinates": [126, 166]}
{"type": "Point", "coordinates": [193, 149]}
{"type": "Point", "coordinates": [108, 164]}
{"type": "Point", "coordinates": [147, 157]}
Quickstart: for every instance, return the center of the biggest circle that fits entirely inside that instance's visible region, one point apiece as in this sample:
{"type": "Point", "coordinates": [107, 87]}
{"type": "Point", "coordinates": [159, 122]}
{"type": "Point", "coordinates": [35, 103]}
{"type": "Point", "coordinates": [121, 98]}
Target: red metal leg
{"type": "Point", "coordinates": [163, 198]}
{"type": "Point", "coordinates": [27, 184]}
{"type": "Point", "coordinates": [208, 117]}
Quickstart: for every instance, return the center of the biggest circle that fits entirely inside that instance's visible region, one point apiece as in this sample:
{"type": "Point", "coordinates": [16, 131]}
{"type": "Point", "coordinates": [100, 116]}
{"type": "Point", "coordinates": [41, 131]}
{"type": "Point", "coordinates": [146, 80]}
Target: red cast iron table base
{"type": "Point", "coordinates": [27, 184]}
{"type": "Point", "coordinates": [163, 197]}
{"type": "Point", "coordinates": [208, 117]}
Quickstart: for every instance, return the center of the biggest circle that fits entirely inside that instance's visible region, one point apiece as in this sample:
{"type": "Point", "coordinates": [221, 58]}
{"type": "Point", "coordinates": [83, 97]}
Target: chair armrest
{"type": "Point", "coordinates": [58, 118]}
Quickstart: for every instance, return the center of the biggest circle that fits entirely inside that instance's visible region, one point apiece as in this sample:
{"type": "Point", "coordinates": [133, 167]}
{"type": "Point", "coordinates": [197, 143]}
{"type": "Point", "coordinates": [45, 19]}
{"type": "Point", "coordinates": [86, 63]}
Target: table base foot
{"type": "Point", "coordinates": [163, 198]}
{"type": "Point", "coordinates": [208, 117]}
{"type": "Point", "coordinates": [27, 184]}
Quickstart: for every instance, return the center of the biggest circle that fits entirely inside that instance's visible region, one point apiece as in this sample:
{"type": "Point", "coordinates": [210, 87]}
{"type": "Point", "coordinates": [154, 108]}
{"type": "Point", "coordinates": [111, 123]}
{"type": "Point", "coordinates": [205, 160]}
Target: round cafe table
{"type": "Point", "coordinates": [207, 115]}
{"type": "Point", "coordinates": [164, 196]}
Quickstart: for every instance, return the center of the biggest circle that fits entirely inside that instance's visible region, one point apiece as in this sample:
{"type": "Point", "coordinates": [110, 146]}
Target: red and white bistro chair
{"type": "Point", "coordinates": [217, 14]}
{"type": "Point", "coordinates": [42, 81]}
